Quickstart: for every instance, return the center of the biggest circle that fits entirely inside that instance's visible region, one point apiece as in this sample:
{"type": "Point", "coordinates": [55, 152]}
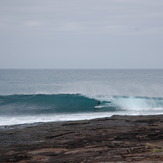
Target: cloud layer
{"type": "Point", "coordinates": [76, 30]}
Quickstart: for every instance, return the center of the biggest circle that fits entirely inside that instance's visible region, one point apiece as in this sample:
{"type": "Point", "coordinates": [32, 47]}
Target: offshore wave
{"type": "Point", "coordinates": [36, 104]}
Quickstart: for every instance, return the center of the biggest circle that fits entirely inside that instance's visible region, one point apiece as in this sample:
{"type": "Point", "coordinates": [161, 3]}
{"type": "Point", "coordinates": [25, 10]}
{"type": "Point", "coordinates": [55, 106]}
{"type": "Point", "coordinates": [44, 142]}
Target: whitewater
{"type": "Point", "coordinates": [28, 96]}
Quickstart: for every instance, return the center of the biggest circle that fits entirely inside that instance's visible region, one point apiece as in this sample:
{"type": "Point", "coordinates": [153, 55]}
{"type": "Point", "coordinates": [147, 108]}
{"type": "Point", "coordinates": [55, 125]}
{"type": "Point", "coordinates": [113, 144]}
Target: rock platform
{"type": "Point", "coordinates": [116, 139]}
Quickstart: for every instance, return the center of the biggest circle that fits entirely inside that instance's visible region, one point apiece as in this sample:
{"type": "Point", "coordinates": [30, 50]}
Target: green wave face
{"type": "Point", "coordinates": [36, 104]}
{"type": "Point", "coordinates": [45, 104]}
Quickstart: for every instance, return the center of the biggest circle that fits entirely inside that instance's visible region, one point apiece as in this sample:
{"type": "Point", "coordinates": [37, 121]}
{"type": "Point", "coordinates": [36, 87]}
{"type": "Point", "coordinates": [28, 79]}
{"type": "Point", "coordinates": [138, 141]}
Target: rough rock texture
{"type": "Point", "coordinates": [116, 139]}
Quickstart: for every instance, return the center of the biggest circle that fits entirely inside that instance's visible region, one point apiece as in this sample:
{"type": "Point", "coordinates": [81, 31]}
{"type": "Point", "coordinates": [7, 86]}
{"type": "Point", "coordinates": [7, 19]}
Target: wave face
{"type": "Point", "coordinates": [45, 104]}
{"type": "Point", "coordinates": [76, 103]}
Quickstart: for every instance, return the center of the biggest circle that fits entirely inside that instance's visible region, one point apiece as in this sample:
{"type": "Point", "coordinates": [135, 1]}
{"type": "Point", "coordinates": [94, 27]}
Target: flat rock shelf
{"type": "Point", "coordinates": [115, 139]}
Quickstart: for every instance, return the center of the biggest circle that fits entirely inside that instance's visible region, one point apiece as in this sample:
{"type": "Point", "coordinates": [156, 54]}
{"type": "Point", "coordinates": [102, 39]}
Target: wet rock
{"type": "Point", "coordinates": [114, 139]}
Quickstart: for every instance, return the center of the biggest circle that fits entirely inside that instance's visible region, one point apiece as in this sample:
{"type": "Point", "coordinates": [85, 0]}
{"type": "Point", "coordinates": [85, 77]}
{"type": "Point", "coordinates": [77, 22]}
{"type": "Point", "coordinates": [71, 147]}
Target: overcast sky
{"type": "Point", "coordinates": [81, 33]}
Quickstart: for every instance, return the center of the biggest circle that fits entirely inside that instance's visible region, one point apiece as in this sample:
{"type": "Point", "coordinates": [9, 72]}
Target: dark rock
{"type": "Point", "coordinates": [114, 139]}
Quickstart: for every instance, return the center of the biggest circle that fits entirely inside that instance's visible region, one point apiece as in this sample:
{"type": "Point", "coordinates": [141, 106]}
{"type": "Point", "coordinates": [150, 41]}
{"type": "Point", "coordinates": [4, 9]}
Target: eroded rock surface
{"type": "Point", "coordinates": [115, 139]}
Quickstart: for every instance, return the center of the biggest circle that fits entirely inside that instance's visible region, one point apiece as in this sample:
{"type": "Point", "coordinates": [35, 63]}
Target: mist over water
{"type": "Point", "coordinates": [28, 96]}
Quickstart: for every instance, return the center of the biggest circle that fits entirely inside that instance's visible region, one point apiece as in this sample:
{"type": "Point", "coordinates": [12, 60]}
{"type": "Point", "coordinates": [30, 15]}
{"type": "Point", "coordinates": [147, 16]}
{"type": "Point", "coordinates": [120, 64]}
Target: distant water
{"type": "Point", "coordinates": [28, 96]}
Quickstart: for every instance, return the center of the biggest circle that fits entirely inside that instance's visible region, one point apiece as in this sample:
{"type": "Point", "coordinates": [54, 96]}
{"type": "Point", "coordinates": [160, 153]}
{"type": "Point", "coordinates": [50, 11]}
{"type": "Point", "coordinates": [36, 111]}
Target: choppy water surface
{"type": "Point", "coordinates": [28, 96]}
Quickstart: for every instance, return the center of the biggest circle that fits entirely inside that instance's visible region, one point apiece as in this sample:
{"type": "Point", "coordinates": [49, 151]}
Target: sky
{"type": "Point", "coordinates": [81, 34]}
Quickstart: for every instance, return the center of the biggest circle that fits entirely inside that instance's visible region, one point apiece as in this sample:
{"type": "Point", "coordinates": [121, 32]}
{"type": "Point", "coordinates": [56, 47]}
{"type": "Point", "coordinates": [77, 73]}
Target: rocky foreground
{"type": "Point", "coordinates": [115, 139]}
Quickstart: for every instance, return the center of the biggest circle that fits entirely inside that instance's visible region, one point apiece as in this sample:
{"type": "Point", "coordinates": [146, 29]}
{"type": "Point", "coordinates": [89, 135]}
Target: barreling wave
{"type": "Point", "coordinates": [36, 104]}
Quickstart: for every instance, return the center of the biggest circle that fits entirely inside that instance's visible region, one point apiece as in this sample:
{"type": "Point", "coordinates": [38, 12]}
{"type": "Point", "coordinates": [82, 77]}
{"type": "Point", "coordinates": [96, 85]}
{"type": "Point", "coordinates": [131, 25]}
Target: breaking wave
{"type": "Point", "coordinates": [36, 104]}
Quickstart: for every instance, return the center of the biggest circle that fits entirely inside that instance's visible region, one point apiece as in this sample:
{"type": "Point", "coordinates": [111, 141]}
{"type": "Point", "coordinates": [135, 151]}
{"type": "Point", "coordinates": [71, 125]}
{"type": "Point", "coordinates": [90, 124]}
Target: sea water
{"type": "Point", "coordinates": [28, 96]}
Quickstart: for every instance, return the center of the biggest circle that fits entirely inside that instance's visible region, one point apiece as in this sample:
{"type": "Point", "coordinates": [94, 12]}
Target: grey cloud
{"type": "Point", "coordinates": [98, 29]}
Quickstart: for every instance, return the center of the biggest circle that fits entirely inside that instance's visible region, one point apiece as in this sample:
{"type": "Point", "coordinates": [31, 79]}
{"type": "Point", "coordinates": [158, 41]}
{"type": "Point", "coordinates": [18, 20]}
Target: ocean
{"type": "Point", "coordinates": [44, 95]}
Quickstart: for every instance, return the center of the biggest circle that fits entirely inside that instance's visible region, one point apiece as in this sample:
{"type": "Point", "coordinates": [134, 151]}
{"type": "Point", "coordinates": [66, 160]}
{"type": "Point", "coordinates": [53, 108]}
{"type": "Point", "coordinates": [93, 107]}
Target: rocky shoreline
{"type": "Point", "coordinates": [114, 139]}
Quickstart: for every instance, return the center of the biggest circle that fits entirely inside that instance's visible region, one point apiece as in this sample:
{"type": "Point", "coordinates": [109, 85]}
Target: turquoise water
{"type": "Point", "coordinates": [28, 96]}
